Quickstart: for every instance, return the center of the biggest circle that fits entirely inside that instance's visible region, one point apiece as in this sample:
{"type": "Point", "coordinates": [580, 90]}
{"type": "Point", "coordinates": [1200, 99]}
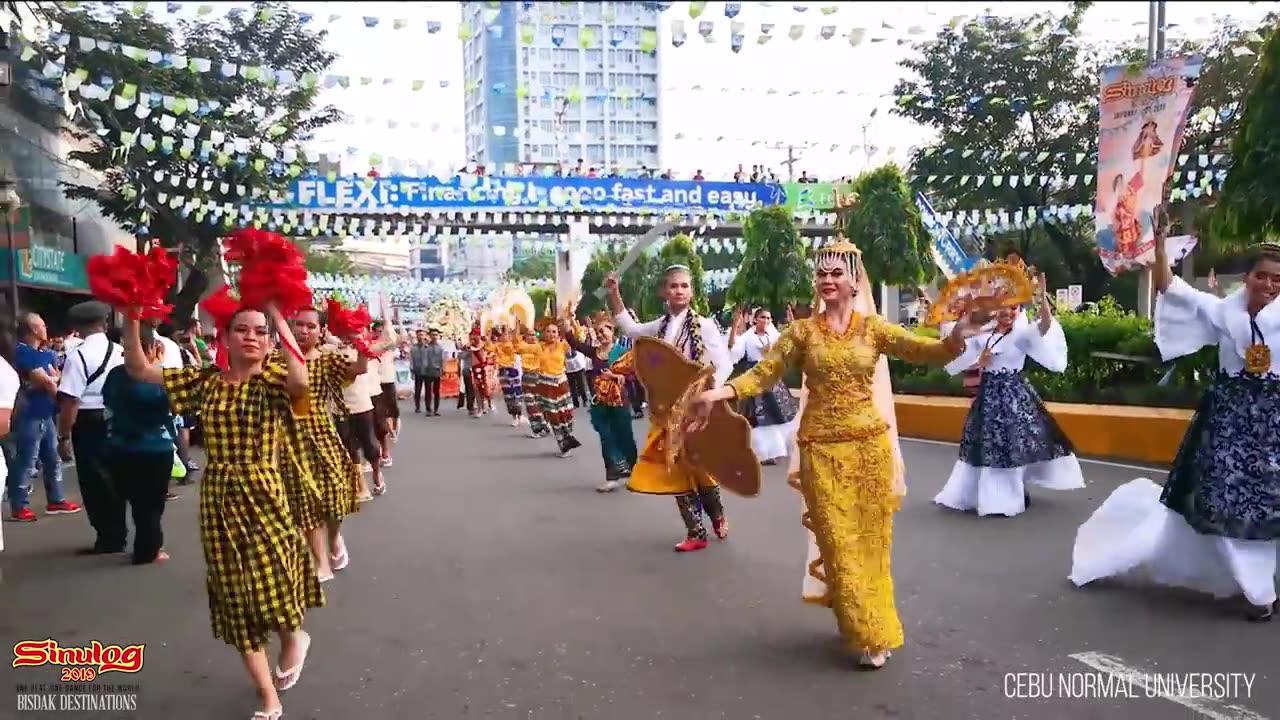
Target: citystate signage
{"type": "Point", "coordinates": [526, 193]}
{"type": "Point", "coordinates": [50, 268]}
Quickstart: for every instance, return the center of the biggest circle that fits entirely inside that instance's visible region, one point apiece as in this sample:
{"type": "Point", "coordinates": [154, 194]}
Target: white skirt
{"type": "Point", "coordinates": [1133, 533]}
{"type": "Point", "coordinates": [770, 442]}
{"type": "Point", "coordinates": [1002, 491]}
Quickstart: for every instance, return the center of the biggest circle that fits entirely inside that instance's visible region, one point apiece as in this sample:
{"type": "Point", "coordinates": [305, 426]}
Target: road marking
{"type": "Point", "coordinates": [1108, 463]}
{"type": "Point", "coordinates": [1205, 707]}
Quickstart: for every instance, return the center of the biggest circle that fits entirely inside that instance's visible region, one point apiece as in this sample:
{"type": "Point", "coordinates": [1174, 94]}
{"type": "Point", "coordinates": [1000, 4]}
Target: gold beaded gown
{"type": "Point", "coordinates": [847, 461]}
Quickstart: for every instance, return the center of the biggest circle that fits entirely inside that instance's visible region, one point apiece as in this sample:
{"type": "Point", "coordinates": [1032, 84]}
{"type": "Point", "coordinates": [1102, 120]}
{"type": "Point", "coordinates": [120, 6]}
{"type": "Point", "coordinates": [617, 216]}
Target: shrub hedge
{"type": "Point", "coordinates": [1142, 380]}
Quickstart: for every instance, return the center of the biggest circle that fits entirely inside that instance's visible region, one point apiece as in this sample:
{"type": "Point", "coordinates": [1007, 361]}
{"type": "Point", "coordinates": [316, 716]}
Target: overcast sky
{"type": "Point", "coordinates": [732, 102]}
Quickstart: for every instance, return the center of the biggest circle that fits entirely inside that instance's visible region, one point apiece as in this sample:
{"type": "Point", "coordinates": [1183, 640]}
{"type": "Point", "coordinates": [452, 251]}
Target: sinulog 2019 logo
{"type": "Point", "coordinates": [78, 664]}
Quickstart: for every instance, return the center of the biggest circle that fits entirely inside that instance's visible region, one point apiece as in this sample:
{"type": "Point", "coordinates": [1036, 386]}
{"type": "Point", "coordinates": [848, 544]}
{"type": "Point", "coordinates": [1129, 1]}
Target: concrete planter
{"type": "Point", "coordinates": [1114, 432]}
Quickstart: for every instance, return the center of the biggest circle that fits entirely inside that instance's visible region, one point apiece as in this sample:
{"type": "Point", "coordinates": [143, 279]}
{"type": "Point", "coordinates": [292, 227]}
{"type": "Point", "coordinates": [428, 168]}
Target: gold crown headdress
{"type": "Point", "coordinates": [601, 317]}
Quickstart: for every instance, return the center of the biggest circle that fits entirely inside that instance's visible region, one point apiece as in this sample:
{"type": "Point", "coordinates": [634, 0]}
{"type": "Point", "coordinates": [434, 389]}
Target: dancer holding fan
{"type": "Point", "coordinates": [1009, 438]}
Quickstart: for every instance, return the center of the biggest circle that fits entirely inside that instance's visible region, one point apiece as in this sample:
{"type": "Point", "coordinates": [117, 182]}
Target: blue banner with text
{"type": "Point", "coordinates": [539, 194]}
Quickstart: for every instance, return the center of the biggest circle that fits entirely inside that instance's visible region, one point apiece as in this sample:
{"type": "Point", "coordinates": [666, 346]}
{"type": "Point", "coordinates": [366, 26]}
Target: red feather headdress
{"type": "Point", "coordinates": [134, 283]}
{"type": "Point", "coordinates": [349, 325]}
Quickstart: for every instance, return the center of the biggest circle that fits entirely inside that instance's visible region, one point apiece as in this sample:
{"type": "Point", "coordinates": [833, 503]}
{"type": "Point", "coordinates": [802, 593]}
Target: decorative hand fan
{"type": "Point", "coordinates": [723, 448]}
{"type": "Point", "coordinates": [990, 286]}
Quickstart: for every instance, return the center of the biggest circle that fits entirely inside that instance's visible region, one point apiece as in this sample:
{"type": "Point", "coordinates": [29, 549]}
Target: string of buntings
{"type": "Point", "coordinates": [148, 103]}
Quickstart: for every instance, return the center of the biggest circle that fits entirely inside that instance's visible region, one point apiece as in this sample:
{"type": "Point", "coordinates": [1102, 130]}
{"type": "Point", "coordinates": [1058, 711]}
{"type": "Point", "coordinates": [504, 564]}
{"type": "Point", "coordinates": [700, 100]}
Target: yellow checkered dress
{"type": "Point", "coordinates": [259, 574]}
{"type": "Point", "coordinates": [320, 443]}
{"type": "Point", "coordinates": [301, 487]}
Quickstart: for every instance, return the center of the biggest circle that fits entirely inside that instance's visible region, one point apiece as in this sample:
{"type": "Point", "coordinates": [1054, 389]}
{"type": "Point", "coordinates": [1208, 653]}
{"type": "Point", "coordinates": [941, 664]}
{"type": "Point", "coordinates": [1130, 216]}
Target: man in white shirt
{"type": "Point", "coordinates": [9, 384]}
{"type": "Point", "coordinates": [357, 430]}
{"type": "Point", "coordinates": [701, 340]}
{"type": "Point", "coordinates": [83, 426]}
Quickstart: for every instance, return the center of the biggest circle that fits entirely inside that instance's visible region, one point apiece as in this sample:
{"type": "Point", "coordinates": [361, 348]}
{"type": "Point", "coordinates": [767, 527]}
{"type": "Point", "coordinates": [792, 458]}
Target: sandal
{"type": "Point", "coordinates": [286, 680]}
{"type": "Point", "coordinates": [342, 559]}
{"type": "Point", "coordinates": [274, 714]}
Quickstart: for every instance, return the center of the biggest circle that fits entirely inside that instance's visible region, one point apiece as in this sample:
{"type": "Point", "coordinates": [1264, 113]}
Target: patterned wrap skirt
{"type": "Point", "coordinates": [1009, 427]}
{"type": "Point", "coordinates": [776, 407]}
{"type": "Point", "coordinates": [1226, 476]}
{"type": "Point", "coordinates": [557, 404]}
{"type": "Point", "coordinates": [330, 466]}
{"type": "Point", "coordinates": [530, 390]}
{"type": "Point", "coordinates": [260, 577]}
{"type": "Point", "coordinates": [480, 381]}
{"type": "Point", "coordinates": [512, 392]}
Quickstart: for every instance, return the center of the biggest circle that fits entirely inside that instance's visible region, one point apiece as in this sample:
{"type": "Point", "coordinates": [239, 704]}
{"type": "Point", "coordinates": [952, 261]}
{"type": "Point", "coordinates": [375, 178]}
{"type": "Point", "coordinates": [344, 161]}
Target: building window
{"type": "Point", "coordinates": [595, 80]}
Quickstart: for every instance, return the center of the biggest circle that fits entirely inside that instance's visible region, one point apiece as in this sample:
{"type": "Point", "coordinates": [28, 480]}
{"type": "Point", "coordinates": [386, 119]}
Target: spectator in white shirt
{"type": "Point", "coordinates": [8, 396]}
{"type": "Point", "coordinates": [83, 426]}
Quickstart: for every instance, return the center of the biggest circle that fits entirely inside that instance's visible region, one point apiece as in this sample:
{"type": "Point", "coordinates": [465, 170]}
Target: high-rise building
{"type": "Point", "coordinates": [555, 82]}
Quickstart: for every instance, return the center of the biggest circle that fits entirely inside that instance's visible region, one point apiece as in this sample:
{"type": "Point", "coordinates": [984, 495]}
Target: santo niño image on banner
{"type": "Point", "coordinates": [1142, 113]}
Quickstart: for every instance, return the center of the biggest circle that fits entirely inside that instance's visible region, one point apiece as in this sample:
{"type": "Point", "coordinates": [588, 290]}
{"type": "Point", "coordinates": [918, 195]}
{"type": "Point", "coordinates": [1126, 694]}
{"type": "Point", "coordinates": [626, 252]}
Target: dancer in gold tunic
{"type": "Point", "coordinates": [258, 571]}
{"type": "Point", "coordinates": [847, 465]}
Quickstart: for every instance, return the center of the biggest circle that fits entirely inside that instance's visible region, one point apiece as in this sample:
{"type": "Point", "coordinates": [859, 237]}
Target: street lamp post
{"type": "Point", "coordinates": [9, 201]}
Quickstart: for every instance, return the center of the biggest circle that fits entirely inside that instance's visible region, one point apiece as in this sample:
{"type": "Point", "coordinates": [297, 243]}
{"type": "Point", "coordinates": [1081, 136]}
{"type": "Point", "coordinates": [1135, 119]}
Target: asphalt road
{"type": "Point", "coordinates": [493, 582]}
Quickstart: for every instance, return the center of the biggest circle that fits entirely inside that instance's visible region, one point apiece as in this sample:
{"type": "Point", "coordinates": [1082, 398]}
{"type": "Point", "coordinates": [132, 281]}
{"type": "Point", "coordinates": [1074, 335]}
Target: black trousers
{"type": "Point", "coordinates": [693, 505]}
{"type": "Point", "coordinates": [635, 392]}
{"type": "Point", "coordinates": [102, 502]}
{"type": "Point", "coordinates": [144, 483]}
{"type": "Point", "coordinates": [359, 436]}
{"type": "Point", "coordinates": [578, 388]}
{"type": "Point", "coordinates": [467, 392]}
{"type": "Point", "coordinates": [432, 387]}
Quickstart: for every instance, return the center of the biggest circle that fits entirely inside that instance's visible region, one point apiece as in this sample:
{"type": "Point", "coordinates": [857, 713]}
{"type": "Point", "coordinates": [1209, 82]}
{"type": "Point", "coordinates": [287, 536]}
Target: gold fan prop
{"type": "Point", "coordinates": [723, 448]}
{"type": "Point", "coordinates": [510, 306]}
{"type": "Point", "coordinates": [988, 287]}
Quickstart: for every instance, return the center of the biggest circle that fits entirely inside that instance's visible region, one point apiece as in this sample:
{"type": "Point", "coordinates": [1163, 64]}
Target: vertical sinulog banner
{"type": "Point", "coordinates": [1142, 115]}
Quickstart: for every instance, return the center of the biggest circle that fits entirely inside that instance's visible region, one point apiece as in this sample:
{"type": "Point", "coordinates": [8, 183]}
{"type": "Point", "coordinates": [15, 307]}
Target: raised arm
{"type": "Point", "coordinates": [295, 379]}
{"type": "Point", "coordinates": [135, 360]}
{"type": "Point", "coordinates": [899, 342]}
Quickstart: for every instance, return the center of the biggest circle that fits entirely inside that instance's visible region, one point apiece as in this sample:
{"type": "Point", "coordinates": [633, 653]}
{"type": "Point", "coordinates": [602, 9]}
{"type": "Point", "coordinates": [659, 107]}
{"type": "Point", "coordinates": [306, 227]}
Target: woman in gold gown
{"type": "Point", "coordinates": [851, 481]}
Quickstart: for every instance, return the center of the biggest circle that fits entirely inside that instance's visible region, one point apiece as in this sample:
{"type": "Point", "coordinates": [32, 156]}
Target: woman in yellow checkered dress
{"type": "Point", "coordinates": [259, 575]}
{"type": "Point", "coordinates": [316, 437]}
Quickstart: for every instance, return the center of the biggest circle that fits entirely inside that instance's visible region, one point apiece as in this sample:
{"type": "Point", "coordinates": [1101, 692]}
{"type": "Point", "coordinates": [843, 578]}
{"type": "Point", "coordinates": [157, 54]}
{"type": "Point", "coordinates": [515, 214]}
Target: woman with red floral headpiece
{"type": "Point", "coordinates": [259, 573]}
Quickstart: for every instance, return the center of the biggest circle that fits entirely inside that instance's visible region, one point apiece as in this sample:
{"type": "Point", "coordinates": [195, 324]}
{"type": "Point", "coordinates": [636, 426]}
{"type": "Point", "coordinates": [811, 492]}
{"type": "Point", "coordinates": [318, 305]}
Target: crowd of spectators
{"type": "Point", "coordinates": [757, 173]}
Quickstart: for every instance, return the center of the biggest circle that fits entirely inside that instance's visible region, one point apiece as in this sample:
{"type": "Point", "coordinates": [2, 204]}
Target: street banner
{"type": "Point", "coordinates": [948, 253]}
{"type": "Point", "coordinates": [1142, 115]}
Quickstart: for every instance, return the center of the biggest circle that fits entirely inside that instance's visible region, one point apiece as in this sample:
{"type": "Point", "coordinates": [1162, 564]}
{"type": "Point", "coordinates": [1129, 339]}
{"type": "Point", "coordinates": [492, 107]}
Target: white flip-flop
{"type": "Point", "coordinates": [275, 714]}
{"type": "Point", "coordinates": [285, 681]}
{"type": "Point", "coordinates": [339, 562]}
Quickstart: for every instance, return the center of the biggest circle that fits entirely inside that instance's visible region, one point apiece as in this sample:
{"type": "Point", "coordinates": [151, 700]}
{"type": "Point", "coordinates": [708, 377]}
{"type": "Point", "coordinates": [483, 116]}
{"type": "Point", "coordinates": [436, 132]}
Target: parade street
{"type": "Point", "coordinates": [492, 581]}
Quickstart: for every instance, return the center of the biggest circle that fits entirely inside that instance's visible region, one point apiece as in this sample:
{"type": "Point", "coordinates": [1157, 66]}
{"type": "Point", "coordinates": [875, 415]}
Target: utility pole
{"type": "Point", "coordinates": [1155, 51]}
{"type": "Point", "coordinates": [791, 163]}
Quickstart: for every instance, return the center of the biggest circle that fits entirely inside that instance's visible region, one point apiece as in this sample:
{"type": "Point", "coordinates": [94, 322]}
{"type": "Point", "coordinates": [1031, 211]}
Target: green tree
{"type": "Point", "coordinates": [1248, 209]}
{"type": "Point", "coordinates": [543, 298]}
{"type": "Point", "coordinates": [327, 262]}
{"type": "Point", "coordinates": [257, 104]}
{"type": "Point", "coordinates": [1011, 97]}
{"type": "Point", "coordinates": [887, 227]}
{"type": "Point", "coordinates": [774, 272]}
{"type": "Point", "coordinates": [633, 285]}
{"type": "Point", "coordinates": [678, 251]}
{"type": "Point", "coordinates": [533, 266]}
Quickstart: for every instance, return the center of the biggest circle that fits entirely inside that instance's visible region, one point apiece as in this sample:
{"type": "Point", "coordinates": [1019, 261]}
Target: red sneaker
{"type": "Point", "coordinates": [721, 527]}
{"type": "Point", "coordinates": [61, 508]}
{"type": "Point", "coordinates": [24, 515]}
{"type": "Point", "coordinates": [692, 545]}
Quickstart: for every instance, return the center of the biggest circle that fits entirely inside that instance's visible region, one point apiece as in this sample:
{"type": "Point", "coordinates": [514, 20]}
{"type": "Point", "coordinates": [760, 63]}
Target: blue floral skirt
{"type": "Point", "coordinates": [1226, 476]}
{"type": "Point", "coordinates": [1009, 427]}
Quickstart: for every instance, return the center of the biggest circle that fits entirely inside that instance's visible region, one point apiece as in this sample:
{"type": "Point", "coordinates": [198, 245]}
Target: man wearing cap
{"type": "Point", "coordinates": [82, 424]}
